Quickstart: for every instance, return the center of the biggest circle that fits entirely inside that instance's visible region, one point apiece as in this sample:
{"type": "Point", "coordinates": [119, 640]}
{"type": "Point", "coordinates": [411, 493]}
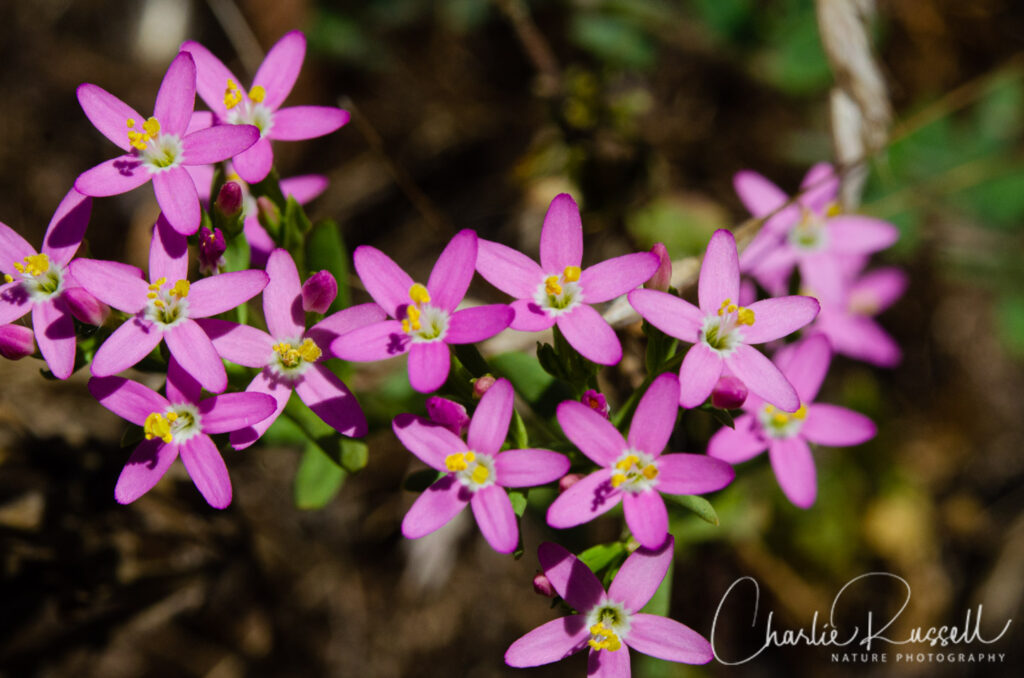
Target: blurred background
{"type": "Point", "coordinates": [474, 114]}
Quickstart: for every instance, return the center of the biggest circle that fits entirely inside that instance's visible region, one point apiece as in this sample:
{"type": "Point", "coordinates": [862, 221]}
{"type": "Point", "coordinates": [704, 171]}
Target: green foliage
{"type": "Point", "coordinates": [684, 223]}
{"type": "Point", "coordinates": [317, 480]}
{"type": "Point", "coordinates": [326, 251]}
{"type": "Point", "coordinates": [699, 505]}
{"type": "Point", "coordinates": [601, 556]}
{"type": "Point", "coordinates": [614, 40]}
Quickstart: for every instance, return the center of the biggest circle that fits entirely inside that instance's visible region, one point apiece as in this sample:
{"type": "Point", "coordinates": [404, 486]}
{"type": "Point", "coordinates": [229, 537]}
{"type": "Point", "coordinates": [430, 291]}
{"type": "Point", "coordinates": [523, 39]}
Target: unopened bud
{"type": "Point", "coordinates": [16, 342]}
{"type": "Point", "coordinates": [211, 250]}
{"type": "Point", "coordinates": [542, 585]}
{"type": "Point", "coordinates": [729, 393]}
{"type": "Point", "coordinates": [269, 215]}
{"type": "Point", "coordinates": [319, 292]}
{"type": "Point", "coordinates": [86, 307]}
{"type": "Point", "coordinates": [449, 414]}
{"type": "Point", "coordinates": [568, 480]}
{"type": "Point", "coordinates": [482, 384]}
{"type": "Point", "coordinates": [229, 199]}
{"type": "Point", "coordinates": [596, 402]}
{"type": "Point", "coordinates": [662, 278]}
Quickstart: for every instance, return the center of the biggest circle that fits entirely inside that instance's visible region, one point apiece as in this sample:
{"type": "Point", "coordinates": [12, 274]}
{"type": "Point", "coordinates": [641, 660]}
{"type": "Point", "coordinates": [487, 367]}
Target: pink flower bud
{"type": "Point", "coordinates": [596, 402]}
{"type": "Point", "coordinates": [449, 414]}
{"type": "Point", "coordinates": [211, 250]}
{"type": "Point", "coordinates": [729, 393]}
{"type": "Point", "coordinates": [86, 307]}
{"type": "Point", "coordinates": [319, 292]}
{"type": "Point", "coordinates": [542, 585]}
{"type": "Point", "coordinates": [482, 384]}
{"type": "Point", "coordinates": [229, 199]}
{"type": "Point", "coordinates": [568, 480]}
{"type": "Point", "coordinates": [16, 342]}
{"type": "Point", "coordinates": [662, 278]}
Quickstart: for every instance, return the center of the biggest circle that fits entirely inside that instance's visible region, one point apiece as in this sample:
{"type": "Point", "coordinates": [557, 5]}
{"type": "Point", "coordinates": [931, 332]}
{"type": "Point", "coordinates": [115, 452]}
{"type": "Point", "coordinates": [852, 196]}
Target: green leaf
{"type": "Point", "coordinates": [296, 225]}
{"type": "Point", "coordinates": [418, 481]}
{"type": "Point", "coordinates": [317, 479]}
{"type": "Point", "coordinates": [237, 254]}
{"type": "Point", "coordinates": [699, 505]}
{"type": "Point", "coordinates": [326, 251]}
{"type": "Point", "coordinates": [614, 39]}
{"type": "Point", "coordinates": [518, 502]}
{"type": "Point", "coordinates": [354, 454]}
{"type": "Point", "coordinates": [527, 375]}
{"type": "Point", "coordinates": [601, 556]}
{"type": "Point", "coordinates": [520, 437]}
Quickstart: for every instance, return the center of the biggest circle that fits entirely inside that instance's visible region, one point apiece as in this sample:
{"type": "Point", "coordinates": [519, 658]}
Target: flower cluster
{"type": "Point", "coordinates": [220, 200]}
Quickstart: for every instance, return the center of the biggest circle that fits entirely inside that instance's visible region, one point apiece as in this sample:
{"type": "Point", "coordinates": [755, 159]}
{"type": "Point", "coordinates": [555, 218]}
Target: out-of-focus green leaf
{"type": "Point", "coordinates": [527, 376]}
{"type": "Point", "coordinates": [236, 256]}
{"type": "Point", "coordinates": [601, 556]}
{"type": "Point", "coordinates": [614, 40]}
{"type": "Point", "coordinates": [684, 223]}
{"type": "Point", "coordinates": [317, 479]}
{"type": "Point", "coordinates": [795, 62]}
{"type": "Point", "coordinates": [699, 505]}
{"type": "Point", "coordinates": [1011, 323]}
{"type": "Point", "coordinates": [326, 251]}
{"type": "Point", "coordinates": [354, 454]}
{"type": "Point", "coordinates": [998, 201]}
{"type": "Point", "coordinates": [725, 18]}
{"type": "Point", "coordinates": [518, 500]}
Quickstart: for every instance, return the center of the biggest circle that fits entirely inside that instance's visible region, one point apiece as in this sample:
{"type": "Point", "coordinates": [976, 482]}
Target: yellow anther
{"type": "Point", "coordinates": [139, 140]}
{"type": "Point", "coordinates": [405, 326]}
{"type": "Point", "coordinates": [35, 264]}
{"type": "Point", "coordinates": [571, 273]}
{"type": "Point", "coordinates": [470, 456]}
{"type": "Point", "coordinates": [131, 123]}
{"type": "Point", "coordinates": [257, 93]}
{"type": "Point", "coordinates": [627, 463]}
{"type": "Point", "coordinates": [158, 426]}
{"type": "Point", "coordinates": [551, 285]}
{"type": "Point", "coordinates": [834, 209]}
{"type": "Point", "coordinates": [152, 127]}
{"type": "Point", "coordinates": [180, 289]}
{"type": "Point", "coordinates": [172, 416]}
{"type": "Point", "coordinates": [780, 418]}
{"type": "Point", "coordinates": [159, 303]}
{"type": "Point", "coordinates": [768, 409]}
{"type": "Point", "coordinates": [618, 479]}
{"type": "Point", "coordinates": [8, 278]}
{"type": "Point", "coordinates": [480, 474]}
{"type": "Point", "coordinates": [232, 95]}
{"type": "Point", "coordinates": [650, 472]}
{"type": "Point", "coordinates": [801, 413]}
{"type": "Point", "coordinates": [151, 295]}
{"type": "Point", "coordinates": [745, 317]}
{"type": "Point", "coordinates": [158, 283]}
{"type": "Point", "coordinates": [456, 462]}
{"type": "Point", "coordinates": [419, 294]}
{"type": "Point", "coordinates": [608, 639]}
{"type": "Point", "coordinates": [724, 308]}
{"type": "Point", "coordinates": [412, 323]}
{"type": "Point", "coordinates": [309, 351]}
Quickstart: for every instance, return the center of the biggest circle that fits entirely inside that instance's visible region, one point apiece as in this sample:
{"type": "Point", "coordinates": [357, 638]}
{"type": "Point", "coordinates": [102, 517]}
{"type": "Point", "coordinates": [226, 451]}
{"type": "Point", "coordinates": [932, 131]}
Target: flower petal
{"type": "Point", "coordinates": [794, 469]}
{"type": "Point", "coordinates": [591, 335]}
{"type": "Point", "coordinates": [489, 425]}
{"type": "Point", "coordinates": [270, 384]}
{"type": "Point", "coordinates": [345, 321]}
{"type": "Point", "coordinates": [113, 177]}
{"type": "Point", "coordinates": [16, 342]}
{"type": "Point", "coordinates": [775, 318]}
{"type": "Point", "coordinates": [329, 397]}
{"type": "Point", "coordinates": [693, 474]}
{"type": "Point", "coordinates": [529, 468]}
{"type": "Point", "coordinates": [55, 335]}
{"type": "Point", "coordinates": [168, 253]}
{"type": "Point", "coordinates": [836, 426]}
{"type": "Point", "coordinates": [255, 162]}
{"type": "Point", "coordinates": [146, 466]}
{"type": "Point", "coordinates": [453, 271]}
{"type": "Point", "coordinates": [218, 143]}
{"type": "Point", "coordinates": [115, 284]}
{"type": "Point", "coordinates": [260, 242]}
{"type": "Point", "coordinates": [280, 68]}
{"type": "Point", "coordinates": [878, 290]}
{"type": "Point", "coordinates": [306, 122]}
{"type": "Point", "coordinates": [585, 500]}
{"type": "Point", "coordinates": [429, 441]}
{"type": "Point", "coordinates": [127, 399]}
{"type": "Point", "coordinates": [14, 302]}
{"type": "Point", "coordinates": [529, 317]}
{"type": "Point", "coordinates": [605, 664]}
{"type": "Point", "coordinates": [655, 416]}
{"type": "Point", "coordinates": [736, 445]}
{"type": "Point", "coordinates": [640, 576]}
{"type": "Point", "coordinates": [698, 375]}
{"type": "Point", "coordinates": [855, 234]}
{"type": "Point", "coordinates": [177, 95]}
{"type": "Point", "coordinates": [509, 270]}
{"type": "Point", "coordinates": [128, 344]}
{"type": "Point", "coordinates": [206, 468]}
{"type": "Point", "coordinates": [282, 297]}
{"type": "Point", "coordinates": [763, 378]}
{"type": "Point", "coordinates": [614, 277]}
{"type": "Point", "coordinates": [305, 187]}
{"type": "Point", "coordinates": [719, 273]}
{"type": "Point", "coordinates": [107, 113]}
{"type": "Point", "coordinates": [805, 365]}
{"type": "Point", "coordinates": [863, 339]}
{"type": "Point", "coordinates": [386, 282]}
{"type": "Point", "coordinates": [66, 229]}
{"type": "Point", "coordinates": [674, 316]}
{"type": "Point", "coordinates": [195, 352]}
{"type": "Point", "coordinates": [477, 323]}
{"type": "Point", "coordinates": [573, 580]}
{"type": "Point", "coordinates": [234, 411]}
{"type": "Point", "coordinates": [561, 236]}
{"type": "Point", "coordinates": [819, 188]}
{"type": "Point", "coordinates": [13, 248]}
{"type": "Point", "coordinates": [177, 197]}
{"type": "Point", "coordinates": [759, 195]}
{"type": "Point", "coordinates": [181, 387]}
{"type": "Point", "coordinates": [224, 292]}
{"type": "Point", "coordinates": [493, 512]}
{"type": "Point", "coordinates": [211, 76]}
{"type": "Point", "coordinates": [646, 517]}
{"type": "Point", "coordinates": [435, 507]}
{"type": "Point", "coordinates": [377, 341]}
{"type": "Point", "coordinates": [240, 344]}
{"type": "Point", "coordinates": [594, 435]}
{"type": "Point", "coordinates": [668, 639]}
{"type": "Point", "coordinates": [428, 366]}
{"type": "Point", "coordinates": [550, 642]}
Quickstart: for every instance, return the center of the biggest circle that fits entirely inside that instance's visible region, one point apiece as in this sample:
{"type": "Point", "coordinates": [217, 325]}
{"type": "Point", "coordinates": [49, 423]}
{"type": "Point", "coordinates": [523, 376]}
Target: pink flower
{"type": "Point", "coordinates": [448, 413]}
{"type": "Point", "coordinates": [40, 282]}
{"type": "Point", "coordinates": [424, 317]}
{"type": "Point", "coordinates": [596, 401]}
{"type": "Point", "coordinates": [261, 105]}
{"type": "Point", "coordinates": [476, 471]}
{"type": "Point", "coordinates": [161, 147]}
{"type": "Point", "coordinates": [558, 291]}
{"type": "Point", "coordinates": [633, 470]}
{"type": "Point", "coordinates": [786, 435]}
{"type": "Point", "coordinates": [608, 622]}
{"type": "Point", "coordinates": [16, 342]}
{"type": "Point", "coordinates": [166, 308]}
{"type": "Point", "coordinates": [180, 423]}
{"type": "Point", "coordinates": [812, 233]}
{"type": "Point", "coordinates": [290, 357]}
{"type": "Point", "coordinates": [721, 331]}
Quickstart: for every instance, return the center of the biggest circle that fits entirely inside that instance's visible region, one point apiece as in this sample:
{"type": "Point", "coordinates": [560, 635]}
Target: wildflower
{"type": "Point", "coordinates": [729, 393]}
{"type": "Point", "coordinates": [212, 247]}
{"type": "Point", "coordinates": [662, 278]}
{"type": "Point", "coordinates": [424, 319]}
{"type": "Point", "coordinates": [16, 342]}
{"type": "Point", "coordinates": [608, 622]}
{"type": "Point", "coordinates": [721, 331]}
{"type": "Point", "coordinates": [476, 471]}
{"type": "Point", "coordinates": [448, 413]}
{"type": "Point", "coordinates": [319, 292]}
{"type": "Point", "coordinates": [633, 470]}
{"type": "Point", "coordinates": [40, 282]}
{"type": "Point", "coordinates": [558, 291]}
{"type": "Point", "coordinates": [261, 104]}
{"type": "Point", "coordinates": [848, 320]}
{"type": "Point", "coordinates": [166, 308]}
{"type": "Point", "coordinates": [160, 147]}
{"type": "Point", "coordinates": [180, 423]}
{"type": "Point", "coordinates": [596, 401]}
{"type": "Point", "coordinates": [786, 435]}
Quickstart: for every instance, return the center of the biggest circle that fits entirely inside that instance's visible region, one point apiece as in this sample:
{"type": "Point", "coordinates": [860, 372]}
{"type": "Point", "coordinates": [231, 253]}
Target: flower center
{"type": "Point", "coordinates": [423, 322]}
{"type": "Point", "coordinates": [779, 424]}
{"type": "Point", "coordinates": [39, 277]}
{"type": "Point", "coordinates": [249, 110]}
{"type": "Point", "coordinates": [809, 233]}
{"type": "Point", "coordinates": [560, 293]}
{"type": "Point", "coordinates": [292, 358]}
{"type": "Point", "coordinates": [634, 471]}
{"type": "Point", "coordinates": [608, 623]}
{"type": "Point", "coordinates": [167, 306]}
{"type": "Point", "coordinates": [177, 424]}
{"type": "Point", "coordinates": [158, 152]}
{"type": "Point", "coordinates": [475, 471]}
{"type": "Point", "coordinates": [722, 331]}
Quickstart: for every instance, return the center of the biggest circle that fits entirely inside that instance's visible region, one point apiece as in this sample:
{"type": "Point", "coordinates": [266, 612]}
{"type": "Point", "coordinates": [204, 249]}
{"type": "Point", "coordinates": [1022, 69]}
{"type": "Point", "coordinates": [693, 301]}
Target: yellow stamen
{"type": "Point", "coordinates": [309, 351]}
{"type": "Point", "coordinates": [551, 285]}
{"type": "Point", "coordinates": [470, 456]}
{"type": "Point", "coordinates": [626, 463]}
{"type": "Point", "coordinates": [35, 264]}
{"type": "Point", "coordinates": [419, 294]}
{"type": "Point", "coordinates": [608, 639]}
{"type": "Point", "coordinates": [456, 462]}
{"type": "Point", "coordinates": [744, 316]}
{"type": "Point", "coordinates": [571, 273]}
{"type": "Point", "coordinates": [480, 474]}
{"type": "Point", "coordinates": [139, 140]}
{"type": "Point", "coordinates": [232, 95]}
{"type": "Point", "coordinates": [413, 319]}
{"type": "Point", "coordinates": [801, 413]}
{"type": "Point", "coordinates": [834, 209]}
{"type": "Point", "coordinates": [257, 93]}
{"type": "Point", "coordinates": [151, 295]}
{"type": "Point", "coordinates": [157, 284]}
{"type": "Point", "coordinates": [8, 277]}
{"type": "Point", "coordinates": [780, 418]}
{"type": "Point", "coordinates": [180, 289]}
{"type": "Point", "coordinates": [159, 426]}
{"type": "Point", "coordinates": [159, 303]}
{"type": "Point", "coordinates": [650, 472]}
{"type": "Point", "coordinates": [618, 479]}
